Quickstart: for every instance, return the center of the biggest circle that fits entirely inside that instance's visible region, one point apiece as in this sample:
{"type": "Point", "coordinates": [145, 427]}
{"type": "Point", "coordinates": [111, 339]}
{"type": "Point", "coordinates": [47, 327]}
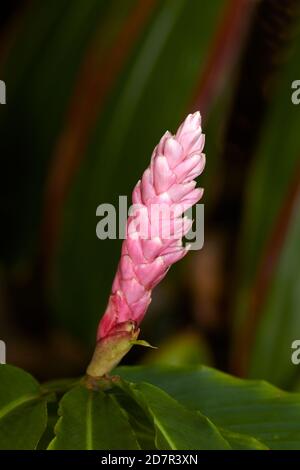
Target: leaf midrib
{"type": "Point", "coordinates": [13, 405]}
{"type": "Point", "coordinates": [161, 428]}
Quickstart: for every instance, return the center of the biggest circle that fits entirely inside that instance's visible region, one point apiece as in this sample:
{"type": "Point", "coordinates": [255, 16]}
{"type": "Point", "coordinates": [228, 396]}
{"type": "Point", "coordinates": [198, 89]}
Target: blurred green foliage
{"type": "Point", "coordinates": [151, 94]}
{"type": "Point", "coordinates": [272, 213]}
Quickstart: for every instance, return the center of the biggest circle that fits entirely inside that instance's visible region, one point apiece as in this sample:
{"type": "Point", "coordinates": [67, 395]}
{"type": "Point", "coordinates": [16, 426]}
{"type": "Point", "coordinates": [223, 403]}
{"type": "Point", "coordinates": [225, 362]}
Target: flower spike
{"type": "Point", "coordinates": [153, 242]}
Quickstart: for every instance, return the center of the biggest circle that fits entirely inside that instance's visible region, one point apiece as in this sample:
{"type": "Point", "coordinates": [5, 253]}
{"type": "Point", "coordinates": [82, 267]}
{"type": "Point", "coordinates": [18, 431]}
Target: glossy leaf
{"type": "Point", "coordinates": [23, 410]}
{"type": "Point", "coordinates": [92, 421]}
{"type": "Point", "coordinates": [140, 421]}
{"type": "Point", "coordinates": [253, 408]}
{"type": "Point", "coordinates": [195, 430]}
{"type": "Point", "coordinates": [239, 441]}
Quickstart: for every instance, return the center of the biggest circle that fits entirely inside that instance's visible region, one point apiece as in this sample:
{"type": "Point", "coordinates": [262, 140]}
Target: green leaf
{"type": "Point", "coordinates": [140, 421]}
{"type": "Point", "coordinates": [48, 434]}
{"type": "Point", "coordinates": [92, 420]}
{"type": "Point", "coordinates": [23, 410]}
{"type": "Point", "coordinates": [58, 388]}
{"type": "Point", "coordinates": [253, 408]}
{"type": "Point", "coordinates": [195, 430]}
{"type": "Point", "coordinates": [142, 342]}
{"type": "Point", "coordinates": [242, 441]}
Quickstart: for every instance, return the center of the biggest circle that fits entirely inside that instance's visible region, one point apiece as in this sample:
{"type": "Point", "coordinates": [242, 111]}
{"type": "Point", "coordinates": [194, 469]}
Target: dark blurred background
{"type": "Point", "coordinates": [91, 86]}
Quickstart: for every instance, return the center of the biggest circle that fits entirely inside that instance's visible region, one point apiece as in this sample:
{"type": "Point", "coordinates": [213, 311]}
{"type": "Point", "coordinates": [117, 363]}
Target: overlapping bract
{"type": "Point", "coordinates": [166, 190]}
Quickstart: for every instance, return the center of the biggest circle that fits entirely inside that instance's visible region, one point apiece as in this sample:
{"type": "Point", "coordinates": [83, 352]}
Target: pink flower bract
{"type": "Point", "coordinates": [168, 183]}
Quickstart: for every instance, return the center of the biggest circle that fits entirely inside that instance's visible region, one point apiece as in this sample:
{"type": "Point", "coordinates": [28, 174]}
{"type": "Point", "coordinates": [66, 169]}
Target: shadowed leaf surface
{"type": "Point", "coordinates": [254, 408]}
{"type": "Point", "coordinates": [23, 410]}
{"type": "Point", "coordinates": [195, 430]}
{"type": "Point", "coordinates": [92, 421]}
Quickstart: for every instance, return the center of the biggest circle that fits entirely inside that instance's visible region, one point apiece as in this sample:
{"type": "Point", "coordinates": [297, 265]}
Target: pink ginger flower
{"type": "Point", "coordinates": [167, 183]}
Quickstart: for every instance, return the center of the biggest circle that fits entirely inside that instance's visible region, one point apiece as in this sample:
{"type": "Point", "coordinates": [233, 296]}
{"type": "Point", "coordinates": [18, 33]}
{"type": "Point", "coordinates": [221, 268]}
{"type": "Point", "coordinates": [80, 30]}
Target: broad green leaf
{"type": "Point", "coordinates": [23, 410]}
{"type": "Point", "coordinates": [176, 427]}
{"type": "Point", "coordinates": [58, 388]}
{"type": "Point", "coordinates": [242, 441]}
{"type": "Point", "coordinates": [253, 408]}
{"type": "Point", "coordinates": [140, 421]}
{"type": "Point", "coordinates": [150, 96]}
{"type": "Point", "coordinates": [92, 420]}
{"type": "Point", "coordinates": [145, 430]}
